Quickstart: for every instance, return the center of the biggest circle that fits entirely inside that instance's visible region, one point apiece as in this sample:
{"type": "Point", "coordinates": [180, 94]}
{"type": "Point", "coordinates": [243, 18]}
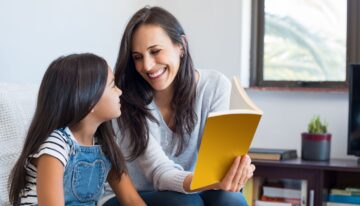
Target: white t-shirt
{"type": "Point", "coordinates": [56, 146]}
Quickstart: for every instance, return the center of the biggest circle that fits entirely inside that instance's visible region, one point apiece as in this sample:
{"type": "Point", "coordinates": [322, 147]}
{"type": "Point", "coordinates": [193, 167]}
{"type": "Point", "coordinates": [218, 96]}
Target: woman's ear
{"type": "Point", "coordinates": [183, 46]}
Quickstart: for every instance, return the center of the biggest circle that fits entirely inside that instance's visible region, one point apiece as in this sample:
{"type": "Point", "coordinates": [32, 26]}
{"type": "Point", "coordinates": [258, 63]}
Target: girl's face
{"type": "Point", "coordinates": [156, 57]}
{"type": "Point", "coordinates": [108, 107]}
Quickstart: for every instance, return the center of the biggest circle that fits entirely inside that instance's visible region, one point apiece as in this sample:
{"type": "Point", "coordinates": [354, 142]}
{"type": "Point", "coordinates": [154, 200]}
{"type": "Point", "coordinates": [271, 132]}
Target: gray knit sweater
{"type": "Point", "coordinates": [158, 168]}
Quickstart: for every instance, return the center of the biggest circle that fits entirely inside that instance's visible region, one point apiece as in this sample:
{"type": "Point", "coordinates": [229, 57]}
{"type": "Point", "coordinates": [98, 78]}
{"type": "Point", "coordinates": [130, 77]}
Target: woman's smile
{"type": "Point", "coordinates": [157, 74]}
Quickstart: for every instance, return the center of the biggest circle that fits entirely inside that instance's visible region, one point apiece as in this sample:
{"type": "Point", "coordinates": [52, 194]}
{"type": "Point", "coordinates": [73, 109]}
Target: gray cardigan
{"type": "Point", "coordinates": [158, 168]}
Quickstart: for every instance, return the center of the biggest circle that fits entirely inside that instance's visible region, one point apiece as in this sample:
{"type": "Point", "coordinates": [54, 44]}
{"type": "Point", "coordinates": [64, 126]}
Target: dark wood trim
{"type": "Point", "coordinates": [302, 84]}
{"type": "Point", "coordinates": [298, 89]}
{"type": "Point", "coordinates": [257, 49]}
{"type": "Point", "coordinates": [257, 43]}
{"type": "Point", "coordinates": [353, 32]}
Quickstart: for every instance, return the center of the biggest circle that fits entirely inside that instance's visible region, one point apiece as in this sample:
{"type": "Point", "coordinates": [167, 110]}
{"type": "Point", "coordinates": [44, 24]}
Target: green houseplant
{"type": "Point", "coordinates": [316, 142]}
{"type": "Point", "coordinates": [316, 126]}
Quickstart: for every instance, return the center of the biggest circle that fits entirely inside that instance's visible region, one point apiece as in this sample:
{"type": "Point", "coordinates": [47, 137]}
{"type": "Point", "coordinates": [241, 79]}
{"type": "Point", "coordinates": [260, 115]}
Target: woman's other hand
{"type": "Point", "coordinates": [240, 171]}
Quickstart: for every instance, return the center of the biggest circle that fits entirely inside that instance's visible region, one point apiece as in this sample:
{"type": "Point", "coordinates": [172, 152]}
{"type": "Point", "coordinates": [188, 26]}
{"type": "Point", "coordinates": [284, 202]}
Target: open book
{"type": "Point", "coordinates": [226, 135]}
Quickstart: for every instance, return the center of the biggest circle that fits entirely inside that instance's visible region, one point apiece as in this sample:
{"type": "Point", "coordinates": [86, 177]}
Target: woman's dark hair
{"type": "Point", "coordinates": [70, 88]}
{"type": "Point", "coordinates": [137, 93]}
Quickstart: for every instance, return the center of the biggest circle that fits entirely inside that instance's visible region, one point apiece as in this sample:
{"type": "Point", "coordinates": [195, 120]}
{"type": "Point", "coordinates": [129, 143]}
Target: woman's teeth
{"type": "Point", "coordinates": [157, 73]}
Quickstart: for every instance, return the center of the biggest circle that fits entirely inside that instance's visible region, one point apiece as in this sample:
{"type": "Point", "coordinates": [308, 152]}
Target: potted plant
{"type": "Point", "coordinates": [315, 144]}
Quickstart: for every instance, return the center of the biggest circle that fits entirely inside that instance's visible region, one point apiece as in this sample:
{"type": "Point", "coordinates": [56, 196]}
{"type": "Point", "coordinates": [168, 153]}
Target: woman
{"type": "Point", "coordinates": [165, 105]}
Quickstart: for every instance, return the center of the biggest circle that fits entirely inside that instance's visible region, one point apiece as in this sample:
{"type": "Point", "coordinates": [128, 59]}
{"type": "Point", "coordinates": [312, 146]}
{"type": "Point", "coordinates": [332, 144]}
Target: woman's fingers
{"type": "Point", "coordinates": [239, 175]}
{"type": "Point", "coordinates": [240, 171]}
{"type": "Point", "coordinates": [249, 174]}
{"type": "Point", "coordinates": [226, 183]}
{"type": "Point", "coordinates": [240, 184]}
{"type": "Point", "coordinates": [245, 167]}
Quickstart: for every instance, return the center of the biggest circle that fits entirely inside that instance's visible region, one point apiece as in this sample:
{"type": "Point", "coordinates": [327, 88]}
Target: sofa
{"type": "Point", "coordinates": [17, 106]}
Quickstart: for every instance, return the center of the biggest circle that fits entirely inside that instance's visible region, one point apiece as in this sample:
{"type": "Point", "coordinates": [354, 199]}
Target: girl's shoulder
{"type": "Point", "coordinates": [56, 145]}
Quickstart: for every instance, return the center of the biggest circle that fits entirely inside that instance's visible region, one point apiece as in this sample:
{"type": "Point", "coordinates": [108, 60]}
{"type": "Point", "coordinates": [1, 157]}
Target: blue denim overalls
{"type": "Point", "coordinates": [85, 173]}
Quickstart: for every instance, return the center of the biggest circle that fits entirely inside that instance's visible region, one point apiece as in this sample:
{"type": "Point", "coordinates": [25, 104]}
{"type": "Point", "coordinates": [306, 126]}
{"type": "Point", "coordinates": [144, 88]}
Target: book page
{"type": "Point", "coordinates": [239, 98]}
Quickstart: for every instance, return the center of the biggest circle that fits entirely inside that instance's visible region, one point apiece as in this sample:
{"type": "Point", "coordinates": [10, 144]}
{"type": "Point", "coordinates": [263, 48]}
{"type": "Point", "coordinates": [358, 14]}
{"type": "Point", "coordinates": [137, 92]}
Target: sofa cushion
{"type": "Point", "coordinates": [17, 105]}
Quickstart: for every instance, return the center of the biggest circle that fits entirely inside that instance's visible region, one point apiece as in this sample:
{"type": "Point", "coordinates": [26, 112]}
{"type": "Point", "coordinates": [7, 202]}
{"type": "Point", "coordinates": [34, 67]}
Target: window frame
{"type": "Point", "coordinates": [257, 49]}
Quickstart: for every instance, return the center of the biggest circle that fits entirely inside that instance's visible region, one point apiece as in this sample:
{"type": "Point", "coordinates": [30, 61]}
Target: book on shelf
{"type": "Point", "coordinates": [340, 204]}
{"type": "Point", "coordinates": [272, 154]}
{"type": "Point", "coordinates": [293, 201]}
{"type": "Point", "coordinates": [353, 190]}
{"type": "Point", "coordinates": [266, 203]}
{"type": "Point", "coordinates": [346, 191]}
{"type": "Point", "coordinates": [277, 192]}
{"type": "Point", "coordinates": [352, 199]}
{"type": "Point", "coordinates": [226, 135]}
{"type": "Point", "coordinates": [287, 191]}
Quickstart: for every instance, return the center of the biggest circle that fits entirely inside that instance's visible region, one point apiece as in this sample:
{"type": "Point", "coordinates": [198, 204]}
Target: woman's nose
{"type": "Point", "coordinates": [148, 63]}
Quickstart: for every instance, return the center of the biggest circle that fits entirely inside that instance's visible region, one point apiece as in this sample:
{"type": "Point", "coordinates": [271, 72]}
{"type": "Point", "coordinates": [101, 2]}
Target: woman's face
{"type": "Point", "coordinates": [156, 57]}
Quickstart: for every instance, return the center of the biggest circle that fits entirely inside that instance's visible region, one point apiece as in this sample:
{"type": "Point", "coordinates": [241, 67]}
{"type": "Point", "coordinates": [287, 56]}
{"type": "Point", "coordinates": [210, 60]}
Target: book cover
{"type": "Point", "coordinates": [281, 192]}
{"type": "Point", "coordinates": [272, 154]}
{"type": "Point", "coordinates": [226, 135]}
{"type": "Point", "coordinates": [346, 191]}
{"type": "Point", "coordinates": [265, 203]}
{"type": "Point", "coordinates": [340, 204]}
{"type": "Point", "coordinates": [293, 201]}
{"type": "Point", "coordinates": [344, 199]}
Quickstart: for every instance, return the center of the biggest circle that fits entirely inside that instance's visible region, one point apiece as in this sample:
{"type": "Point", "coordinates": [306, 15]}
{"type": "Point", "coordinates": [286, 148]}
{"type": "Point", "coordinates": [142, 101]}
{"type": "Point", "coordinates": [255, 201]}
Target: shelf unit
{"type": "Point", "coordinates": [320, 176]}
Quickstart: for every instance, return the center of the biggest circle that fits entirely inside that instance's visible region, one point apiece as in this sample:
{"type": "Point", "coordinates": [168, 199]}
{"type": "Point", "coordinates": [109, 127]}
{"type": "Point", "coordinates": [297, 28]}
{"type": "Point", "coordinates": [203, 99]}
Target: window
{"type": "Point", "coordinates": [304, 43]}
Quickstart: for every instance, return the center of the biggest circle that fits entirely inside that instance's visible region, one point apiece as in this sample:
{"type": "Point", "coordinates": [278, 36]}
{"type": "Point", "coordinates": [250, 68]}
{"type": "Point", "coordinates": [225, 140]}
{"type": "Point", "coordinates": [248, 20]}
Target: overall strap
{"type": "Point", "coordinates": [68, 139]}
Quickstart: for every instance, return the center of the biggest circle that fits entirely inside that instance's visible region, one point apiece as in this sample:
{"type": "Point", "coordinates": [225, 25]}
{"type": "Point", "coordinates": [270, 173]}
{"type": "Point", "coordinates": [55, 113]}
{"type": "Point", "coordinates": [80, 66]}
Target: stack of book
{"type": "Point", "coordinates": [344, 197]}
{"type": "Point", "coordinates": [272, 154]}
{"type": "Point", "coordinates": [279, 196]}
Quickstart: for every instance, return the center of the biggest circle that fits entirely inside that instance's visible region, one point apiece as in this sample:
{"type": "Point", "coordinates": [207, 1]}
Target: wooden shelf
{"type": "Point", "coordinates": [320, 176]}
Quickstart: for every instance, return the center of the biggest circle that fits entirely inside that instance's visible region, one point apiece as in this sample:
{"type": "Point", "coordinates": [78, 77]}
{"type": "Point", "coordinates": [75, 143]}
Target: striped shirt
{"type": "Point", "coordinates": [56, 146]}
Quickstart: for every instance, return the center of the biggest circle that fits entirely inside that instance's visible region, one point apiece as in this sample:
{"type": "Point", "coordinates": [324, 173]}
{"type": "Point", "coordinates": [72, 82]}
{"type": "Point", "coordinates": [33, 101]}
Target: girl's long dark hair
{"type": "Point", "coordinates": [137, 93]}
{"type": "Point", "coordinates": [70, 88]}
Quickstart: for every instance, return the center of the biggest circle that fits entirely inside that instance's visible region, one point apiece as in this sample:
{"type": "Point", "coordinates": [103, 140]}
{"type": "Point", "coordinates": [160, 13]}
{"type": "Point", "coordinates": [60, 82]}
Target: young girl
{"type": "Point", "coordinates": [70, 150]}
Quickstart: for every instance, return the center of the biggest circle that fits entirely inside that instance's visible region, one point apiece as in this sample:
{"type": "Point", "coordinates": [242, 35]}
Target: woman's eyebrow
{"type": "Point", "coordinates": [150, 47]}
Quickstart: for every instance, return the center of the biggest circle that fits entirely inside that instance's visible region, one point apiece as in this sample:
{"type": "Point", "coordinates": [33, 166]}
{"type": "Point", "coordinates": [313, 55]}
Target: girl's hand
{"type": "Point", "coordinates": [125, 190]}
{"type": "Point", "coordinates": [240, 171]}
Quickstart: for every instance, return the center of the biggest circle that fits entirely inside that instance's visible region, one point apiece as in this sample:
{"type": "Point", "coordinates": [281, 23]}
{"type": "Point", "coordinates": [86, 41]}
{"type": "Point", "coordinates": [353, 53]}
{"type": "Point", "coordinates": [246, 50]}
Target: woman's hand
{"type": "Point", "coordinates": [240, 171]}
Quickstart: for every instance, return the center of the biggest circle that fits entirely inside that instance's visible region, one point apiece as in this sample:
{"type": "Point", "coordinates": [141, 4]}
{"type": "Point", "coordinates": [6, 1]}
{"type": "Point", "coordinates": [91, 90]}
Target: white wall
{"type": "Point", "coordinates": [286, 115]}
{"type": "Point", "coordinates": [34, 32]}
{"type": "Point", "coordinates": [214, 36]}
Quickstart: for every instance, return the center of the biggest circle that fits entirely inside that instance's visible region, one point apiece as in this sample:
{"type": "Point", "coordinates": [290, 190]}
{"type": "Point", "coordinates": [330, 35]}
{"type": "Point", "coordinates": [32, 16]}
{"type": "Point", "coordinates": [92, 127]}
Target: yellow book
{"type": "Point", "coordinates": [226, 135]}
